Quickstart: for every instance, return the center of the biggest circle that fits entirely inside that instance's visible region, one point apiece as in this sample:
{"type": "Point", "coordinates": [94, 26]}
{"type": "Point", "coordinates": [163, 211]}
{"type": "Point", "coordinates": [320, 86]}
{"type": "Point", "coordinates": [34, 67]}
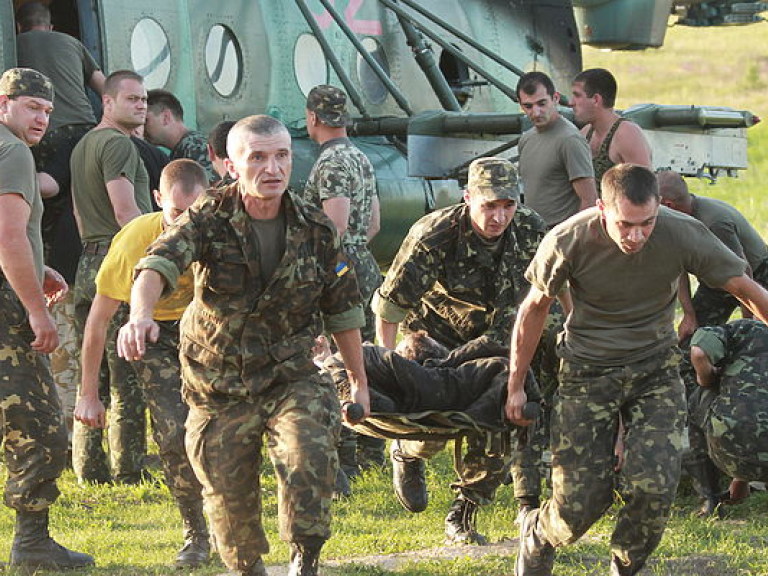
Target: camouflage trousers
{"type": "Point", "coordinates": [160, 376]}
{"type": "Point", "coordinates": [482, 468]}
{"type": "Point", "coordinates": [34, 436]}
{"type": "Point", "coordinates": [714, 307]}
{"type": "Point", "coordinates": [119, 391]}
{"type": "Point", "coordinates": [649, 397]}
{"type": "Point", "coordinates": [65, 364]}
{"type": "Point", "coordinates": [733, 434]}
{"type": "Point", "coordinates": [301, 421]}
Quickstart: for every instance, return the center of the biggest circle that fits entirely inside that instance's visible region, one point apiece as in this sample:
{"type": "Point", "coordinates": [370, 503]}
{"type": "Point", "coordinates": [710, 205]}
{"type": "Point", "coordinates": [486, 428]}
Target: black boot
{"type": "Point", "coordinates": [33, 548]}
{"type": "Point", "coordinates": [408, 480]}
{"type": "Point", "coordinates": [256, 569]}
{"type": "Point", "coordinates": [706, 482]}
{"type": "Point", "coordinates": [197, 547]}
{"type": "Point", "coordinates": [460, 524]}
{"type": "Point", "coordinates": [305, 559]}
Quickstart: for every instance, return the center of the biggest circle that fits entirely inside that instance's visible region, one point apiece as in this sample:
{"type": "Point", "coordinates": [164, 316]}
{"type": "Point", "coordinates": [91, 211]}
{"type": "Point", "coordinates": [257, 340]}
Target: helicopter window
{"type": "Point", "coordinates": [151, 53]}
{"type": "Point", "coordinates": [309, 63]}
{"type": "Point", "coordinates": [456, 73]}
{"type": "Point", "coordinates": [223, 60]}
{"type": "Point", "coordinates": [372, 86]}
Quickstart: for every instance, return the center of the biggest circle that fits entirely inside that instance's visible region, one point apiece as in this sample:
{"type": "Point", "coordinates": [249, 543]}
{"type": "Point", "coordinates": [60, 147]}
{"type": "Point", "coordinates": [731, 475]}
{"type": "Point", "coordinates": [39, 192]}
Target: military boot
{"type": "Point", "coordinates": [34, 549]}
{"type": "Point", "coordinates": [305, 559]}
{"type": "Point", "coordinates": [534, 557]}
{"type": "Point", "coordinates": [408, 480]}
{"type": "Point", "coordinates": [197, 547]}
{"type": "Point", "coordinates": [256, 569]}
{"type": "Point", "coordinates": [460, 524]}
{"type": "Point", "coordinates": [706, 482]}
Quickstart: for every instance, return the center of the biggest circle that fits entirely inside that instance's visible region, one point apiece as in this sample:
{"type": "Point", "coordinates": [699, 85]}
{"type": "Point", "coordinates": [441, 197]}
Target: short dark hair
{"type": "Point", "coordinates": [599, 81]}
{"type": "Point", "coordinates": [635, 183]}
{"type": "Point", "coordinates": [217, 138]}
{"type": "Point", "coordinates": [530, 81]}
{"type": "Point", "coordinates": [112, 83]}
{"type": "Point", "coordinates": [33, 14]}
{"type": "Point", "coordinates": [672, 187]}
{"type": "Point", "coordinates": [188, 173]}
{"type": "Point", "coordinates": [159, 100]}
{"type": "Point", "coordinates": [420, 347]}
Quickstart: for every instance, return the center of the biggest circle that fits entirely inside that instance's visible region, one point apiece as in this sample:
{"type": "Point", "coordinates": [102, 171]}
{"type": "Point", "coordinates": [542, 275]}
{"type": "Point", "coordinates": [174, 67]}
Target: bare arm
{"type": "Point", "coordinates": [89, 409]}
{"type": "Point", "coordinates": [121, 196]}
{"type": "Point", "coordinates": [688, 324]}
{"type": "Point", "coordinates": [337, 209]}
{"type": "Point", "coordinates": [375, 224]}
{"type": "Point", "coordinates": [631, 146]}
{"type": "Point", "coordinates": [351, 348]}
{"type": "Point", "coordinates": [750, 294]}
{"type": "Point", "coordinates": [706, 372]}
{"type": "Point", "coordinates": [96, 82]}
{"type": "Point", "coordinates": [17, 263]}
{"type": "Point", "coordinates": [386, 333]}
{"type": "Point", "coordinates": [132, 338]}
{"type": "Point", "coordinates": [529, 325]}
{"type": "Point", "coordinates": [586, 191]}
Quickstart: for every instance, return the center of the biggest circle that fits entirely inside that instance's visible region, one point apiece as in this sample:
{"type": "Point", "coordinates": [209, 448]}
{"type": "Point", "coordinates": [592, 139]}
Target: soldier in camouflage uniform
{"type": "Point", "coordinates": [459, 275]}
{"type": "Point", "coordinates": [165, 127]}
{"type": "Point", "coordinates": [270, 274]}
{"type": "Point", "coordinates": [728, 410]}
{"type": "Point", "coordinates": [34, 435]}
{"type": "Point", "coordinates": [181, 183]}
{"type": "Point", "coordinates": [343, 184]}
{"type": "Point", "coordinates": [622, 260]}
{"type": "Point", "coordinates": [710, 306]}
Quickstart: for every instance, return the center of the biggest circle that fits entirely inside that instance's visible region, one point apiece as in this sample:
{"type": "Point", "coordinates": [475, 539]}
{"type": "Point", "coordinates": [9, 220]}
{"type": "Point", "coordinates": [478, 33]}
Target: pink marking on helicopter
{"type": "Point", "coordinates": [369, 27]}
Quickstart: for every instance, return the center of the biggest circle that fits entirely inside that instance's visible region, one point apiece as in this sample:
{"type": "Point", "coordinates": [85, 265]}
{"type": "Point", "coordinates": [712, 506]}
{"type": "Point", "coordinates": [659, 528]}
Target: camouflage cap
{"type": "Point", "coordinates": [330, 105]}
{"type": "Point", "coordinates": [494, 179]}
{"type": "Point", "coordinates": [17, 82]}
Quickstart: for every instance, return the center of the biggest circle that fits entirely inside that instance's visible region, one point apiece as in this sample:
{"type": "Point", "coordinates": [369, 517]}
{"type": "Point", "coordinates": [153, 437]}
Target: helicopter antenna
{"type": "Point", "coordinates": [349, 87]}
{"type": "Point", "coordinates": [383, 77]}
{"type": "Point", "coordinates": [491, 78]}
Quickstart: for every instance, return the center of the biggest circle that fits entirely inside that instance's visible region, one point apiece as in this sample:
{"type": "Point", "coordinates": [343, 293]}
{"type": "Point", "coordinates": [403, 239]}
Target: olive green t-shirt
{"type": "Point", "coordinates": [102, 156]}
{"type": "Point", "coordinates": [732, 228]}
{"type": "Point", "coordinates": [18, 176]}
{"type": "Point", "coordinates": [624, 304]}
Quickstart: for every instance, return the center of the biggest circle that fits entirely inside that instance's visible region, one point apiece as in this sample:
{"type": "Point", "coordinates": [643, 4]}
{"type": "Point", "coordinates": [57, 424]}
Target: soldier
{"type": "Point", "coordinates": [612, 139]}
{"type": "Point", "coordinates": [270, 273]}
{"type": "Point", "coordinates": [181, 183]}
{"type": "Point", "coordinates": [110, 187]}
{"type": "Point", "coordinates": [165, 127]}
{"type": "Point", "coordinates": [622, 260]}
{"type": "Point", "coordinates": [710, 306]}
{"type": "Point", "coordinates": [459, 275]}
{"type": "Point", "coordinates": [728, 409]}
{"type": "Point", "coordinates": [343, 184]}
{"type": "Point", "coordinates": [555, 161]}
{"type": "Point", "coordinates": [34, 434]}
{"type": "Point", "coordinates": [217, 150]}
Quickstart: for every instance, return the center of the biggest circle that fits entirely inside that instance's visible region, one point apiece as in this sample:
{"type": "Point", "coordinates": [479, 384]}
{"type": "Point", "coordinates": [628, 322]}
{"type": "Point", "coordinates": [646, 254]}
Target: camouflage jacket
{"type": "Point", "coordinates": [194, 145]}
{"type": "Point", "coordinates": [445, 281]}
{"type": "Point", "coordinates": [342, 170]}
{"type": "Point", "coordinates": [249, 334]}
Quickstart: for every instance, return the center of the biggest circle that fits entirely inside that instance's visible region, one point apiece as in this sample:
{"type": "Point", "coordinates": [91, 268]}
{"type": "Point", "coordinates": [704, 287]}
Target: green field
{"type": "Point", "coordinates": [136, 530]}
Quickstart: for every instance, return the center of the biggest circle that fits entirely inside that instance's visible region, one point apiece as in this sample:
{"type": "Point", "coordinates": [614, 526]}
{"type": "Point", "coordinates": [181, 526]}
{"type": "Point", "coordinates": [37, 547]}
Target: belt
{"type": "Point", "coordinates": [96, 248]}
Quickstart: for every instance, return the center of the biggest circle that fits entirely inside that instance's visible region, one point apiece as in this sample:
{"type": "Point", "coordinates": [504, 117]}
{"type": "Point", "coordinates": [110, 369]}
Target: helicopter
{"type": "Point", "coordinates": [431, 82]}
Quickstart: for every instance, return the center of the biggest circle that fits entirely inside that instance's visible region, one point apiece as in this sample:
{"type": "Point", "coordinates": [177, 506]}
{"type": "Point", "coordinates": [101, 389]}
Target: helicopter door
{"type": "Point", "coordinates": [151, 38]}
{"type": "Point", "coordinates": [7, 34]}
{"type": "Point", "coordinates": [231, 59]}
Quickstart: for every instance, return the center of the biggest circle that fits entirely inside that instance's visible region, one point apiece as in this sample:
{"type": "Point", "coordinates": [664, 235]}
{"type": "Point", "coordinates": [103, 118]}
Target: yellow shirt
{"type": "Point", "coordinates": [115, 276]}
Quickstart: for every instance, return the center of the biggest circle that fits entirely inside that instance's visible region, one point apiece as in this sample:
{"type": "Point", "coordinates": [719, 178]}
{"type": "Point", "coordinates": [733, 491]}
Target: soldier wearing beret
{"type": "Point", "coordinates": [343, 184]}
{"type": "Point", "coordinates": [459, 275]}
{"type": "Point", "coordinates": [35, 437]}
{"type": "Point", "coordinates": [270, 274]}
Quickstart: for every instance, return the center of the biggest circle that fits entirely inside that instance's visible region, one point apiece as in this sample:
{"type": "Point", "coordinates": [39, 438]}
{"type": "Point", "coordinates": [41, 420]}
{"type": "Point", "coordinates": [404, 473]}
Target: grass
{"type": "Point", "coordinates": [135, 531]}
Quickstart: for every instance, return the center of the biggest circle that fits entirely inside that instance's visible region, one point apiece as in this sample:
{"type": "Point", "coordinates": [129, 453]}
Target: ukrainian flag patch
{"type": "Point", "coordinates": [341, 269]}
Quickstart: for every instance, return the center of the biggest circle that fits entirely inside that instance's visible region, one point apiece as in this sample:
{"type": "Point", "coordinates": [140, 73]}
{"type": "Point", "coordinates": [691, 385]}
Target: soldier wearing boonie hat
{"type": "Point", "coordinates": [17, 82]}
{"type": "Point", "coordinates": [329, 104]}
{"type": "Point", "coordinates": [493, 178]}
